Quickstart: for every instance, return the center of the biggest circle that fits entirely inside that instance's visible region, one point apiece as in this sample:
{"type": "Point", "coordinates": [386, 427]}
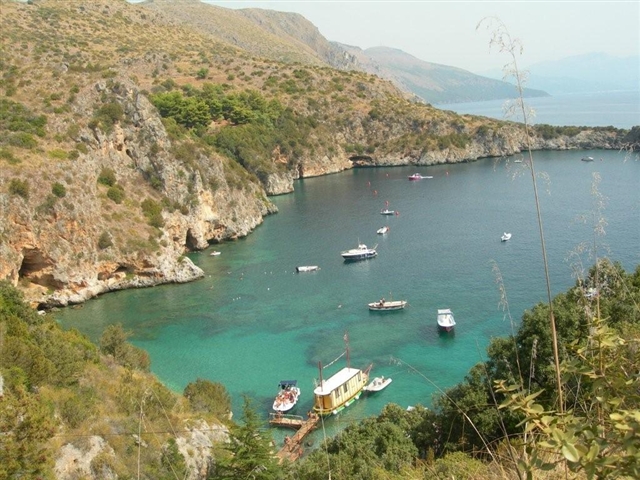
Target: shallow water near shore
{"type": "Point", "coordinates": [252, 321]}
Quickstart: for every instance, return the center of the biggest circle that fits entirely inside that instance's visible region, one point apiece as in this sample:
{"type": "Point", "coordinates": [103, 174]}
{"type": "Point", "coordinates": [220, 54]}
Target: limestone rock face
{"type": "Point", "coordinates": [71, 249]}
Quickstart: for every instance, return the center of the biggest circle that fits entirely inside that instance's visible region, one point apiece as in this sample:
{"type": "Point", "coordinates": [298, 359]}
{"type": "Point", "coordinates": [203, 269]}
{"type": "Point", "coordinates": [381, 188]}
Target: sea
{"type": "Point", "coordinates": [253, 321]}
{"type": "Point", "coordinates": [620, 109]}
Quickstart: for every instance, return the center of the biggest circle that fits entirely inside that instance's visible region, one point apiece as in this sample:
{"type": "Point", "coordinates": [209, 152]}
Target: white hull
{"type": "Point", "coordinates": [360, 253]}
{"type": "Point", "coordinates": [286, 399]}
{"type": "Point", "coordinates": [445, 320]}
{"type": "Point", "coordinates": [378, 383]}
{"type": "Point", "coordinates": [307, 268]}
{"type": "Point", "coordinates": [383, 306]}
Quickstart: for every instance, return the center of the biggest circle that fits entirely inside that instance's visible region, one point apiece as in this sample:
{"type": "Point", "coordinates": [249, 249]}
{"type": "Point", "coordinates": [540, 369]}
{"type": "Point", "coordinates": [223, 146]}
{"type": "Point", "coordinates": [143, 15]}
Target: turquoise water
{"type": "Point", "coordinates": [619, 109]}
{"type": "Point", "coordinates": [253, 322]}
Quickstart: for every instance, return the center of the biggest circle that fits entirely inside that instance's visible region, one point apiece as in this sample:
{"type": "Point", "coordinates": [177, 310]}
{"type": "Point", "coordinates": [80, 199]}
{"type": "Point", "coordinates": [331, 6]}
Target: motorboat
{"type": "Point", "coordinates": [445, 319]}
{"type": "Point", "coordinates": [417, 176]}
{"type": "Point", "coordinates": [215, 253]}
{"type": "Point", "coordinates": [386, 211]}
{"type": "Point", "coordinates": [362, 252]}
{"type": "Point", "coordinates": [587, 159]}
{"type": "Point", "coordinates": [287, 396]}
{"type": "Point", "coordinates": [383, 305]}
{"type": "Point", "coordinates": [307, 268]}
{"type": "Point", "coordinates": [383, 230]}
{"type": "Point", "coordinates": [378, 383]}
{"type": "Point", "coordinates": [505, 236]}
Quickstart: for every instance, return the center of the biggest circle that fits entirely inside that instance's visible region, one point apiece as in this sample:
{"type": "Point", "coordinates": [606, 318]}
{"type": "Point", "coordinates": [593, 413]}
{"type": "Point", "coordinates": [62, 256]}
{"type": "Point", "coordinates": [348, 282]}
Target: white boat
{"type": "Point", "coordinates": [383, 305]}
{"type": "Point", "coordinates": [307, 268]}
{"type": "Point", "coordinates": [378, 383]}
{"type": "Point", "coordinates": [417, 176]}
{"type": "Point", "coordinates": [362, 252]}
{"type": "Point", "coordinates": [505, 236]}
{"type": "Point", "coordinates": [445, 319]}
{"type": "Point", "coordinates": [215, 253]}
{"type": "Point", "coordinates": [287, 396]}
{"type": "Point", "coordinates": [587, 159]}
{"type": "Point", "coordinates": [383, 230]}
{"type": "Point", "coordinates": [386, 211]}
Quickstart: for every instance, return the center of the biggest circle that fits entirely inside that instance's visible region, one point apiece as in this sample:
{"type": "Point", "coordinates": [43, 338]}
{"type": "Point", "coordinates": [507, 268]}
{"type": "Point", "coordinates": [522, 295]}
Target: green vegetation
{"type": "Point", "coordinates": [107, 177]}
{"type": "Point", "coordinates": [19, 187]}
{"type": "Point", "coordinates": [114, 342]}
{"type": "Point", "coordinates": [153, 211]}
{"type": "Point", "coordinates": [249, 451]}
{"type": "Point", "coordinates": [18, 125]}
{"type": "Point", "coordinates": [105, 241]}
{"type": "Point", "coordinates": [207, 396]}
{"type": "Point", "coordinates": [58, 388]}
{"type": "Point", "coordinates": [58, 189]}
{"type": "Point", "coordinates": [116, 193]}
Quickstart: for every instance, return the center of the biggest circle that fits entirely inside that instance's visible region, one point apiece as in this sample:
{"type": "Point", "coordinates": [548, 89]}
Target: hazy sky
{"type": "Point", "coordinates": [445, 31]}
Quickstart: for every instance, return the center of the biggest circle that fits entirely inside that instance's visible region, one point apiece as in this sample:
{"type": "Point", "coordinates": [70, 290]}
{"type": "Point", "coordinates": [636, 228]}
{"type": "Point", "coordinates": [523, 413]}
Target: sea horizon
{"type": "Point", "coordinates": [616, 108]}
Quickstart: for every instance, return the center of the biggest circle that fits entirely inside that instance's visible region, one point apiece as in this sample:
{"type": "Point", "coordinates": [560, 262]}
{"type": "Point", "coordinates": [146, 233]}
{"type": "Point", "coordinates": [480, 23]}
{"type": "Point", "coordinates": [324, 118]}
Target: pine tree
{"type": "Point", "coordinates": [251, 451]}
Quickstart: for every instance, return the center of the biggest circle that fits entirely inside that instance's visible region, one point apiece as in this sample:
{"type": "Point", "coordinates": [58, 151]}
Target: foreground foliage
{"type": "Point", "coordinates": [56, 389]}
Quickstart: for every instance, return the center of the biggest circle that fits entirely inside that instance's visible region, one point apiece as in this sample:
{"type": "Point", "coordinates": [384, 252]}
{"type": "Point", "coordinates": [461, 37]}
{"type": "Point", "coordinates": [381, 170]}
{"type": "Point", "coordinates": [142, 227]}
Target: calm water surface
{"type": "Point", "coordinates": [253, 321]}
{"type": "Point", "coordinates": [619, 109]}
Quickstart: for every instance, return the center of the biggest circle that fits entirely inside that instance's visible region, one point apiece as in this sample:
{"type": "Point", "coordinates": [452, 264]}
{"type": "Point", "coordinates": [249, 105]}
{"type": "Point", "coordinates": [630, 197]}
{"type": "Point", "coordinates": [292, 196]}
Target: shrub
{"type": "Point", "coordinates": [58, 190]}
{"type": "Point", "coordinates": [19, 187]}
{"type": "Point", "coordinates": [105, 241]}
{"type": "Point", "coordinates": [58, 154]}
{"type": "Point", "coordinates": [22, 140]}
{"type": "Point", "coordinates": [107, 177]}
{"type": "Point", "coordinates": [116, 193]}
{"type": "Point", "coordinates": [8, 156]}
{"type": "Point", "coordinates": [207, 396]}
{"type": "Point", "coordinates": [153, 211]}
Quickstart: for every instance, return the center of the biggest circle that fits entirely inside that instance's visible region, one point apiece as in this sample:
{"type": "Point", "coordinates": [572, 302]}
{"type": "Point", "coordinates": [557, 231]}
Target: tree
{"type": "Point", "coordinates": [251, 455]}
{"type": "Point", "coordinates": [207, 396]}
{"type": "Point", "coordinates": [113, 341]}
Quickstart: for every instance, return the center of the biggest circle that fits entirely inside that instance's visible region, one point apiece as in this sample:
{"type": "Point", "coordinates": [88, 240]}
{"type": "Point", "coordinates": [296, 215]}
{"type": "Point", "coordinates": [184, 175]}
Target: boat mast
{"type": "Point", "coordinates": [320, 369]}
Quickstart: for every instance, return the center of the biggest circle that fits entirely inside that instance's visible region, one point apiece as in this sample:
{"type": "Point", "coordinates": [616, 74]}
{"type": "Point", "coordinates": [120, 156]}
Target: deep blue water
{"type": "Point", "coordinates": [619, 109]}
{"type": "Point", "coordinates": [253, 321]}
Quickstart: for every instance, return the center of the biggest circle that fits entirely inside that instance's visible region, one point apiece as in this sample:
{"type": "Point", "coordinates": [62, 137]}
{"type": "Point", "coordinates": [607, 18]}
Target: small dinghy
{"type": "Point", "coordinates": [378, 383]}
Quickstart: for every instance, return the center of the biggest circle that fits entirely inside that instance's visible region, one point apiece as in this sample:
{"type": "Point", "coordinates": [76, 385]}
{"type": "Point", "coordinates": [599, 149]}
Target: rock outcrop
{"type": "Point", "coordinates": [71, 249]}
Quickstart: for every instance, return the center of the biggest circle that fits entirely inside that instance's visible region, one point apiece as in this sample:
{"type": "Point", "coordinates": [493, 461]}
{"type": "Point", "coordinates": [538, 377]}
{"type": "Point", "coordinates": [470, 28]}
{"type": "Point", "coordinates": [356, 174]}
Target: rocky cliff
{"type": "Point", "coordinates": [85, 244]}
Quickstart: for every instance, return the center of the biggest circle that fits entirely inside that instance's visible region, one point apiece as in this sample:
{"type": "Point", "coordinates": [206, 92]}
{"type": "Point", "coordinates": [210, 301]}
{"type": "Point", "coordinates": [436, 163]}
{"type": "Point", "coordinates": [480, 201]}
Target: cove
{"type": "Point", "coordinates": [253, 321]}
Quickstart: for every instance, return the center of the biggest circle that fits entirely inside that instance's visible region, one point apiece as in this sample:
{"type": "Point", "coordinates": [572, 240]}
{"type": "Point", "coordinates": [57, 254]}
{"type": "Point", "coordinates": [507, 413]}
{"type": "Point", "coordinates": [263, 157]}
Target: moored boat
{"type": "Point", "coordinates": [307, 268]}
{"type": "Point", "coordinates": [378, 383]}
{"type": "Point", "coordinates": [587, 159]}
{"type": "Point", "coordinates": [505, 236]}
{"type": "Point", "coordinates": [383, 305]}
{"type": "Point", "coordinates": [287, 397]}
{"type": "Point", "coordinates": [445, 319]}
{"type": "Point", "coordinates": [215, 253]}
{"type": "Point", "coordinates": [386, 211]}
{"type": "Point", "coordinates": [341, 389]}
{"type": "Point", "coordinates": [383, 230]}
{"type": "Point", "coordinates": [362, 252]}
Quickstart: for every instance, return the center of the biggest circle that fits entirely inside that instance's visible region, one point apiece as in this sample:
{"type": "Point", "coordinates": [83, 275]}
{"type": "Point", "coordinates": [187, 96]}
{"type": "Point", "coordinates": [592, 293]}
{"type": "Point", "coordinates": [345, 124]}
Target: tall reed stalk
{"type": "Point", "coordinates": [501, 38]}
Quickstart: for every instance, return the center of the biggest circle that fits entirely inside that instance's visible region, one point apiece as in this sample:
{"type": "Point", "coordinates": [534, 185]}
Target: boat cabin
{"type": "Point", "coordinates": [337, 392]}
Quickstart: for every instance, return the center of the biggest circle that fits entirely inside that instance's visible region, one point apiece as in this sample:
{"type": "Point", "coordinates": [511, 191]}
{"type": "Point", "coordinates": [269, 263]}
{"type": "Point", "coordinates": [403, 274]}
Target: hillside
{"type": "Point", "coordinates": [440, 84]}
{"type": "Point", "coordinates": [128, 137]}
{"type": "Point", "coordinates": [289, 38]}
